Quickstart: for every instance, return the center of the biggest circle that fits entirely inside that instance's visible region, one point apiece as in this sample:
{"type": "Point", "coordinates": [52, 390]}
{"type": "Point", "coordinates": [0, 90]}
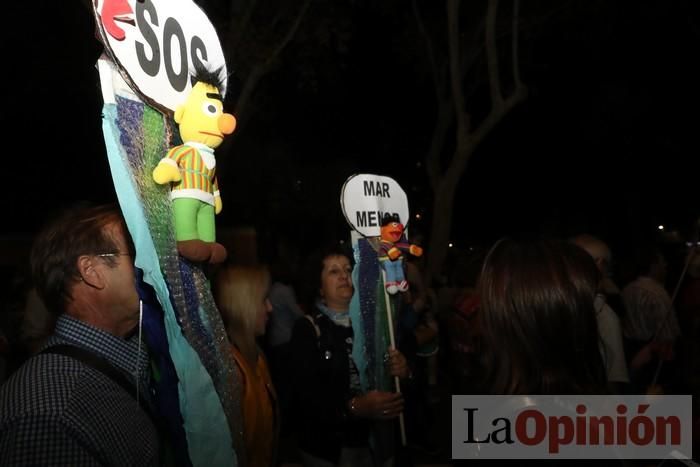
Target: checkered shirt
{"type": "Point", "coordinates": [58, 411]}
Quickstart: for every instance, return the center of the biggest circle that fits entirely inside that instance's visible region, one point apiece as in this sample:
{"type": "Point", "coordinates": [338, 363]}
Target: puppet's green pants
{"type": "Point", "coordinates": [194, 219]}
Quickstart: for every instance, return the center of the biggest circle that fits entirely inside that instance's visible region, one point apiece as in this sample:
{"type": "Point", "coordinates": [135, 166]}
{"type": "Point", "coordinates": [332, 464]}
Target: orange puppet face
{"type": "Point", "coordinates": [392, 232]}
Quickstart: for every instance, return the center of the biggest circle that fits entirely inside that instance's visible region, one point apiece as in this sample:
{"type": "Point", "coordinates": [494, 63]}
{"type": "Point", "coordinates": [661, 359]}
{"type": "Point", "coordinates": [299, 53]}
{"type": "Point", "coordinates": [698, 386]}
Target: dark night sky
{"type": "Point", "coordinates": [605, 142]}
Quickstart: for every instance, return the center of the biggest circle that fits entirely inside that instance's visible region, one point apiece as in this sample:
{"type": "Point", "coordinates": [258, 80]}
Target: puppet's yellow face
{"type": "Point", "coordinates": [202, 118]}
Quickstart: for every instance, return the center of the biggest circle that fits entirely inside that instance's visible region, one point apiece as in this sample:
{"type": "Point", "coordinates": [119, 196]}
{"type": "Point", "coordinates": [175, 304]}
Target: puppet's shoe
{"type": "Point", "coordinates": [403, 286]}
{"type": "Point", "coordinates": [194, 250]}
{"type": "Point", "coordinates": [392, 288]}
{"type": "Point", "coordinates": [218, 253]}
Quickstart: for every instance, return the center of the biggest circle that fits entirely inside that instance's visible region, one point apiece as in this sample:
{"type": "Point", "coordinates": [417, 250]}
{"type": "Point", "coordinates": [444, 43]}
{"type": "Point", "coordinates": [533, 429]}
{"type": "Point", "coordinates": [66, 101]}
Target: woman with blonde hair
{"type": "Point", "coordinates": [241, 296]}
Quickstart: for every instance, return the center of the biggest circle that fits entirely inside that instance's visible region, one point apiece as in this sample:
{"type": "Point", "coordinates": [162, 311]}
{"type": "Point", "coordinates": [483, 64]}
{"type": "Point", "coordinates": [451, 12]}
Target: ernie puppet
{"type": "Point", "coordinates": [391, 247]}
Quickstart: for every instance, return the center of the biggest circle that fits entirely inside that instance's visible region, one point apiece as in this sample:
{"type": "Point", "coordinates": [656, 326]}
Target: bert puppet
{"type": "Point", "coordinates": [191, 169]}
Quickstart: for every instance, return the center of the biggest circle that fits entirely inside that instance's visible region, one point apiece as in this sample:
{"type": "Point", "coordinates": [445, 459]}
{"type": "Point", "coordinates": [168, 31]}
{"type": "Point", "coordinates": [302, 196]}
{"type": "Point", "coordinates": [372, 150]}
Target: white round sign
{"type": "Point", "coordinates": [365, 199]}
{"type": "Point", "coordinates": [157, 44]}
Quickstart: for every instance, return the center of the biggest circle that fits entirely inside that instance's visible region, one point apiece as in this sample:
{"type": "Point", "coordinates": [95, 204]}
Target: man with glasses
{"type": "Point", "coordinates": [83, 399]}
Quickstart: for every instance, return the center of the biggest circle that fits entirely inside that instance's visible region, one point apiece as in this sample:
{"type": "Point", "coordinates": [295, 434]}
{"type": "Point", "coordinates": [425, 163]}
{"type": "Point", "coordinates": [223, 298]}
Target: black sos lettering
{"type": "Point", "coordinates": [146, 17]}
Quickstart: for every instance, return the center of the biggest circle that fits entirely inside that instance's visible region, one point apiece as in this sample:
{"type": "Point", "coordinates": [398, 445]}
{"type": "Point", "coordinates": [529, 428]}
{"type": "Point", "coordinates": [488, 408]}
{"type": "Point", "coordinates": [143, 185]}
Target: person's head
{"type": "Point", "coordinates": [329, 278]}
{"type": "Point", "coordinates": [694, 263]}
{"type": "Point", "coordinates": [391, 228]}
{"type": "Point", "coordinates": [649, 261]}
{"type": "Point", "coordinates": [538, 318]}
{"type": "Point", "coordinates": [82, 264]}
{"type": "Point", "coordinates": [241, 295]}
{"type": "Point", "coordinates": [201, 117]}
{"type": "Point", "coordinates": [598, 250]}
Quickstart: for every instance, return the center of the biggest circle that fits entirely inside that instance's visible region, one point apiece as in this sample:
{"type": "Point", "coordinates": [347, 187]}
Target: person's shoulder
{"type": "Point", "coordinates": [305, 327]}
{"type": "Point", "coordinates": [318, 328]}
{"type": "Point", "coordinates": [637, 292]}
{"type": "Point", "coordinates": [43, 385]}
{"type": "Point", "coordinates": [651, 292]}
{"type": "Point", "coordinates": [607, 316]}
{"type": "Point", "coordinates": [53, 375]}
{"type": "Point", "coordinates": [278, 288]}
{"type": "Point", "coordinates": [282, 294]}
{"type": "Point", "coordinates": [631, 287]}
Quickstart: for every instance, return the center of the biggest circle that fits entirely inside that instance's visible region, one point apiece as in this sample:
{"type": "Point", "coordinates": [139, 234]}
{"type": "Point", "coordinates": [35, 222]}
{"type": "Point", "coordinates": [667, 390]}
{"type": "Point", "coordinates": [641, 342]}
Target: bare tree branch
{"type": "Point", "coordinates": [429, 49]}
{"type": "Point", "coordinates": [492, 54]}
{"type": "Point", "coordinates": [462, 156]}
{"type": "Point", "coordinates": [475, 49]}
{"type": "Point", "coordinates": [290, 33]}
{"type": "Point", "coordinates": [280, 15]}
{"type": "Point", "coordinates": [259, 70]}
{"type": "Point", "coordinates": [445, 116]}
{"type": "Point", "coordinates": [445, 182]}
{"type": "Point", "coordinates": [455, 75]}
{"type": "Point", "coordinates": [516, 65]}
{"type": "Point", "coordinates": [459, 163]}
{"type": "Point", "coordinates": [237, 31]}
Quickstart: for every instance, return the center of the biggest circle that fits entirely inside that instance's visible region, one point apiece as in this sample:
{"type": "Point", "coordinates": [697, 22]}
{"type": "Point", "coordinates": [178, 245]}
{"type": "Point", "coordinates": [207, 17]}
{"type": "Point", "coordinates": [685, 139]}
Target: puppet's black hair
{"type": "Point", "coordinates": [389, 218]}
{"type": "Point", "coordinates": [210, 77]}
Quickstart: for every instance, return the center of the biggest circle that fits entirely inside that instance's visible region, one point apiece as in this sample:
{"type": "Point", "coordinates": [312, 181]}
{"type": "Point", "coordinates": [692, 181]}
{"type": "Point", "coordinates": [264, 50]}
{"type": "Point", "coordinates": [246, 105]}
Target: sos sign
{"type": "Point", "coordinates": [156, 44]}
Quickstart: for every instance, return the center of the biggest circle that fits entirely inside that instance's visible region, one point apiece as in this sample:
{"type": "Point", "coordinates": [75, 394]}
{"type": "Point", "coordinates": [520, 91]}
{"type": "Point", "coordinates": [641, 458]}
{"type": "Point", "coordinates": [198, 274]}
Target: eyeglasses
{"type": "Point", "coordinates": [112, 255]}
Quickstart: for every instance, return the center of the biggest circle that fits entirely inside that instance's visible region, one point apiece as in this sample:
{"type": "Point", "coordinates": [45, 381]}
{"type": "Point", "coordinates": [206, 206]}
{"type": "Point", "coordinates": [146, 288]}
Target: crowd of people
{"type": "Point", "coordinates": [527, 316]}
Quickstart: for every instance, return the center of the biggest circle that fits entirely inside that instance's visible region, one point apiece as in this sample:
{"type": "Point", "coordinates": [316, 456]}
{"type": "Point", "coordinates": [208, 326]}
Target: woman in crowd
{"type": "Point", "coordinates": [539, 331]}
{"type": "Point", "coordinates": [538, 321]}
{"type": "Point", "coordinates": [333, 415]}
{"type": "Point", "coordinates": [242, 300]}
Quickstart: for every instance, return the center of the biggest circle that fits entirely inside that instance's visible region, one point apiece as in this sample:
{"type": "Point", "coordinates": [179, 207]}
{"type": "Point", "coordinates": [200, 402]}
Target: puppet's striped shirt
{"type": "Point", "coordinates": [197, 167]}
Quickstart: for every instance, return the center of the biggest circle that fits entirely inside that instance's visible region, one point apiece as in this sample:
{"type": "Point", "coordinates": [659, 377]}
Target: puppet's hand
{"type": "Point", "coordinates": [218, 205]}
{"type": "Point", "coordinates": [166, 172]}
{"type": "Point", "coordinates": [394, 253]}
{"type": "Point", "coordinates": [415, 250]}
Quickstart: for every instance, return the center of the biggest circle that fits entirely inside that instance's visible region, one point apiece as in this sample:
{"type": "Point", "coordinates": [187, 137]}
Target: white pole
{"type": "Point", "coordinates": [664, 322]}
{"type": "Point", "coordinates": [392, 342]}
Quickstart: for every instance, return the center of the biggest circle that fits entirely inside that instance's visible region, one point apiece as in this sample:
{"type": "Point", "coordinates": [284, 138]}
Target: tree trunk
{"type": "Point", "coordinates": [467, 136]}
{"type": "Point", "coordinates": [443, 202]}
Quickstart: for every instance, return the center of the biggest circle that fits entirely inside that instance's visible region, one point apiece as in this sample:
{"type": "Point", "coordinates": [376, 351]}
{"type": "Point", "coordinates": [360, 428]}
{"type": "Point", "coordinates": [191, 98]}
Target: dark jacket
{"type": "Point", "coordinates": [320, 372]}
